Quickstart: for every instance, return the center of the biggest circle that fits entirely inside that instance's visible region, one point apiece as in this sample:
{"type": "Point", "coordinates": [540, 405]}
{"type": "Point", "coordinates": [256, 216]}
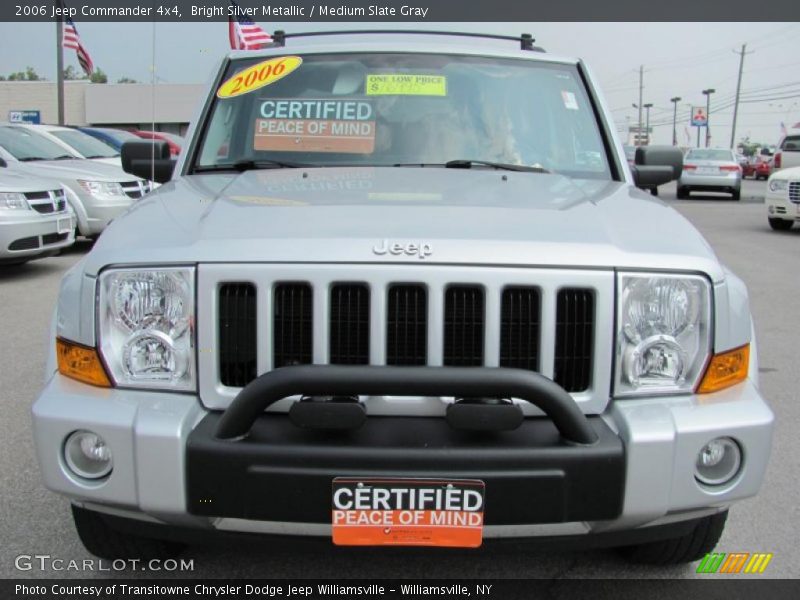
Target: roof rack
{"type": "Point", "coordinates": [525, 40]}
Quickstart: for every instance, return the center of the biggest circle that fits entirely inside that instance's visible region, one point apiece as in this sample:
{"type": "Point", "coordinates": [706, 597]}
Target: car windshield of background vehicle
{"type": "Point", "coordinates": [24, 145]}
{"type": "Point", "coordinates": [85, 144]}
{"type": "Point", "coordinates": [404, 109]}
{"type": "Point", "coordinates": [704, 154]}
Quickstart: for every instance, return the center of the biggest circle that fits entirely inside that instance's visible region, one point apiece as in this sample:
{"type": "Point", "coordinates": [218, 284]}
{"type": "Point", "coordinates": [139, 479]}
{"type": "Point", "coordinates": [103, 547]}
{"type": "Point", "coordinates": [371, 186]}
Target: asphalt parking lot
{"type": "Point", "coordinates": [35, 521]}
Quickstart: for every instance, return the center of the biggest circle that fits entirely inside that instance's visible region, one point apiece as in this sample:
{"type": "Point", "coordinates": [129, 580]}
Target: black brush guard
{"type": "Point", "coordinates": [249, 464]}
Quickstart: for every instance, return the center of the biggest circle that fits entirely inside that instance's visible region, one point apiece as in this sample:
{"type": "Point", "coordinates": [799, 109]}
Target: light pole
{"type": "Point", "coordinates": [674, 101]}
{"type": "Point", "coordinates": [647, 127]}
{"type": "Point", "coordinates": [707, 93]}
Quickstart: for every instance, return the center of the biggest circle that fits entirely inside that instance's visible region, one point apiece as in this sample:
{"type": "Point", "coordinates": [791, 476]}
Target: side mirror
{"type": "Point", "coordinates": [655, 165]}
{"type": "Point", "coordinates": [148, 159]}
{"type": "Point", "coordinates": [3, 163]}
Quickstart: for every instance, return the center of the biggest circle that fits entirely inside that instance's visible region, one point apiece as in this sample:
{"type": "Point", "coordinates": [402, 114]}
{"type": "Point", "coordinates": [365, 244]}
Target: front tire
{"type": "Point", "coordinates": [780, 224]}
{"type": "Point", "coordinates": [688, 548]}
{"type": "Point", "coordinates": [736, 195]}
{"type": "Point", "coordinates": [105, 542]}
{"type": "Point", "coordinates": [654, 191]}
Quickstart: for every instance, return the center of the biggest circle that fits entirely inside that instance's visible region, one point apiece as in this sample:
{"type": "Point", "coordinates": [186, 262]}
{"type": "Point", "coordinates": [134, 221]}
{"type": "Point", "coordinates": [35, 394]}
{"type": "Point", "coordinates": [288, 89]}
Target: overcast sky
{"type": "Point", "coordinates": [680, 59]}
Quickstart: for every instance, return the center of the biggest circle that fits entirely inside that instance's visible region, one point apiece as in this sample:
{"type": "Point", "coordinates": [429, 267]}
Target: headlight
{"type": "Point", "coordinates": [146, 327]}
{"type": "Point", "coordinates": [13, 201]}
{"type": "Point", "coordinates": [777, 185]}
{"type": "Point", "coordinates": [102, 188]}
{"type": "Point", "coordinates": [664, 333]}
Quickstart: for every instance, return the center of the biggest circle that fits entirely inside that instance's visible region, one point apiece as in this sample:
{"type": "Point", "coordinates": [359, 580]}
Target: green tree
{"type": "Point", "coordinates": [98, 76]}
{"type": "Point", "coordinates": [29, 74]}
{"type": "Point", "coordinates": [71, 73]}
{"type": "Point", "coordinates": [126, 80]}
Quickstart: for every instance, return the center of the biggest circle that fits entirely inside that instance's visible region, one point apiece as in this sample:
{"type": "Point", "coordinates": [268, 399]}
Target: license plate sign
{"type": "Point", "coordinates": [708, 170]}
{"type": "Point", "coordinates": [408, 512]}
{"type": "Point", "coordinates": [64, 225]}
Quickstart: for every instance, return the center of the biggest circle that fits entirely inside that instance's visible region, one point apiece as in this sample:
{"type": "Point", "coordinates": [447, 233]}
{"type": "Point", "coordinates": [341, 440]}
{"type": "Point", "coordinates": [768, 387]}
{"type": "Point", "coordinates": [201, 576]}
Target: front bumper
{"type": "Point", "coordinates": [780, 207]}
{"type": "Point", "coordinates": [169, 467]}
{"type": "Point", "coordinates": [32, 234]}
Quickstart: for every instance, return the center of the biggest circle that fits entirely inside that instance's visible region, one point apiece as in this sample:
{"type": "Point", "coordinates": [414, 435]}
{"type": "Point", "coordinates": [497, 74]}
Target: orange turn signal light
{"type": "Point", "coordinates": [725, 370]}
{"type": "Point", "coordinates": [81, 363]}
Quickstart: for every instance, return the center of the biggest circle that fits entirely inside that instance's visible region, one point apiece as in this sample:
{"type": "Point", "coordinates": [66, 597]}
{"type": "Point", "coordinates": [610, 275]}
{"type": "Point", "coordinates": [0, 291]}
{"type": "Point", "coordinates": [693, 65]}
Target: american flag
{"type": "Point", "coordinates": [73, 40]}
{"type": "Point", "coordinates": [244, 34]}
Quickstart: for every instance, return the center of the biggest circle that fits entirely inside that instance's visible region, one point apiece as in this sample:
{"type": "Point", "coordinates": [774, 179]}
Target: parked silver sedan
{"type": "Point", "coordinates": [710, 170]}
{"type": "Point", "coordinates": [35, 219]}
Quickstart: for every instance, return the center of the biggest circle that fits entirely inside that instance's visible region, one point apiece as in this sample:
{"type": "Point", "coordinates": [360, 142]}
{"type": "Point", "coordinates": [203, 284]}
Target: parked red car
{"type": "Point", "coordinates": [764, 168]}
{"type": "Point", "coordinates": [175, 142]}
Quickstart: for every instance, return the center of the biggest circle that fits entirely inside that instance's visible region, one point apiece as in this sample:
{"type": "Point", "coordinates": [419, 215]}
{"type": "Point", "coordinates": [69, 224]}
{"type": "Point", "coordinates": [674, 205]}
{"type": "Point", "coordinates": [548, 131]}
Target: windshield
{"type": "Point", "coordinates": [407, 109]}
{"type": "Point", "coordinates": [25, 145]}
{"type": "Point", "coordinates": [707, 154]}
{"type": "Point", "coordinates": [84, 144]}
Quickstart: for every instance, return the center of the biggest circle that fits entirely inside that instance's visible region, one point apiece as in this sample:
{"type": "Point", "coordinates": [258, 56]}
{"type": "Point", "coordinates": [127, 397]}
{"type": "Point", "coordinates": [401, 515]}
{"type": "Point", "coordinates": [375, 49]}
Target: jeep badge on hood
{"type": "Point", "coordinates": [421, 249]}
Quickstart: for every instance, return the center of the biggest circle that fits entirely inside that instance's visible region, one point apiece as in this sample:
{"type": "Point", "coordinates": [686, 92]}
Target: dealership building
{"type": "Point", "coordinates": [123, 105]}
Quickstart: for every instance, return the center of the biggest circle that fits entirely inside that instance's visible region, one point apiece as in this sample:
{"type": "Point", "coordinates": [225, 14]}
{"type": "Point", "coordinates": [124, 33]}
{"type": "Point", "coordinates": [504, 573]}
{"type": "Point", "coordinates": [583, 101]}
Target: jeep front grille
{"type": "Point", "coordinates": [574, 329]}
{"type": "Point", "coordinates": [292, 324]}
{"type": "Point", "coordinates": [407, 325]}
{"type": "Point", "coordinates": [349, 324]}
{"type": "Point", "coordinates": [463, 326]}
{"type": "Point", "coordinates": [473, 325]}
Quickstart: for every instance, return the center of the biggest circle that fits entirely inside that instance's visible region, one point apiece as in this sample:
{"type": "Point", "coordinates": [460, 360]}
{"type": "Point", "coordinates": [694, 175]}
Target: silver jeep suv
{"type": "Point", "coordinates": [402, 289]}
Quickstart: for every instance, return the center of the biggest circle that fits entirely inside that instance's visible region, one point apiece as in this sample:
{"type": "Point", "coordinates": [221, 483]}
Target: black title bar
{"type": "Point", "coordinates": [412, 11]}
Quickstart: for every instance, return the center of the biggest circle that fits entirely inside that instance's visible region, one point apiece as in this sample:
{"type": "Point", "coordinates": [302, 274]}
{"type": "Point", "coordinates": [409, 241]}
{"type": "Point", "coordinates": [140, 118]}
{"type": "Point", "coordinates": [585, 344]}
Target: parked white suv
{"type": "Point", "coordinates": [788, 155]}
{"type": "Point", "coordinates": [97, 192]}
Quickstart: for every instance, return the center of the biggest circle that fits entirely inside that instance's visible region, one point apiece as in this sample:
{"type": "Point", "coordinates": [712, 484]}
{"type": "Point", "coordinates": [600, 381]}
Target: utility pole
{"type": "Point", "coordinates": [647, 127]}
{"type": "Point", "coordinates": [738, 88]}
{"type": "Point", "coordinates": [707, 93]}
{"type": "Point", "coordinates": [60, 68]}
{"type": "Point", "coordinates": [675, 101]}
{"type": "Point", "coordinates": [641, 90]}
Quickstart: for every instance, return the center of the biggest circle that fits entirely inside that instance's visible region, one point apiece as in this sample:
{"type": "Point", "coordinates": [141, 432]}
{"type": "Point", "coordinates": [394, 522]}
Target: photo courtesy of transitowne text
{"type": "Point", "coordinates": [390, 300]}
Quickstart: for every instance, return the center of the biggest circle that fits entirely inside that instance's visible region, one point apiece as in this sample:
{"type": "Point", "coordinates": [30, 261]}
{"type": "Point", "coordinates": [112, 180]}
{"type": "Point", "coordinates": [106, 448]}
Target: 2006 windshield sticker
{"type": "Point", "coordinates": [258, 76]}
{"type": "Point", "coordinates": [406, 84]}
{"type": "Point", "coordinates": [303, 125]}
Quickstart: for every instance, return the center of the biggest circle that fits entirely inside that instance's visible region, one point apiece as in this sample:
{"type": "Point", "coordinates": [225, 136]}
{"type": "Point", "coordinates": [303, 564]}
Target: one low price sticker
{"type": "Point", "coordinates": [407, 512]}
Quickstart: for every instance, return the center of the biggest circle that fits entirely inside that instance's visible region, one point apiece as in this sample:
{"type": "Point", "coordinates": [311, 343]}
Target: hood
{"type": "Point", "coordinates": [379, 215]}
{"type": "Point", "coordinates": [11, 181]}
{"type": "Point", "coordinates": [77, 168]}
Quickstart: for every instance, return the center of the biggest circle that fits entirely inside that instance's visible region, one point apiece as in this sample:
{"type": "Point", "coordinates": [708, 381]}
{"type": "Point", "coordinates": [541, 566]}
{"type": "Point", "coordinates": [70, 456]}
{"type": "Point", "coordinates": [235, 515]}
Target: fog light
{"type": "Point", "coordinates": [718, 462]}
{"type": "Point", "coordinates": [87, 455]}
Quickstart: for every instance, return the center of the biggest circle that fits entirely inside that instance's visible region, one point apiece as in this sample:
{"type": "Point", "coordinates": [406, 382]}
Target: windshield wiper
{"type": "Point", "coordinates": [103, 156]}
{"type": "Point", "coordinates": [468, 164]}
{"type": "Point", "coordinates": [63, 157]}
{"type": "Point", "coordinates": [249, 165]}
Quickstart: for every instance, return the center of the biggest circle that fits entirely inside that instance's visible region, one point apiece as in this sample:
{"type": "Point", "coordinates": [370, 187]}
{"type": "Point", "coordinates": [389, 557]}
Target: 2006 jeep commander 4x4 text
{"type": "Point", "coordinates": [403, 289]}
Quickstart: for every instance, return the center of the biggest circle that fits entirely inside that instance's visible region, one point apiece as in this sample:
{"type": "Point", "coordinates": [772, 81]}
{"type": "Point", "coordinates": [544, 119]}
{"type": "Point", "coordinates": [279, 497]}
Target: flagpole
{"type": "Point", "coordinates": [60, 68]}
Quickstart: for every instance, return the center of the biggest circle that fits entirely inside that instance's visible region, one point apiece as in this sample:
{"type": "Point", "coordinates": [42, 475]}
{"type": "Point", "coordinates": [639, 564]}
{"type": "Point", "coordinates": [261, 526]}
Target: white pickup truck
{"type": "Point", "coordinates": [789, 153]}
